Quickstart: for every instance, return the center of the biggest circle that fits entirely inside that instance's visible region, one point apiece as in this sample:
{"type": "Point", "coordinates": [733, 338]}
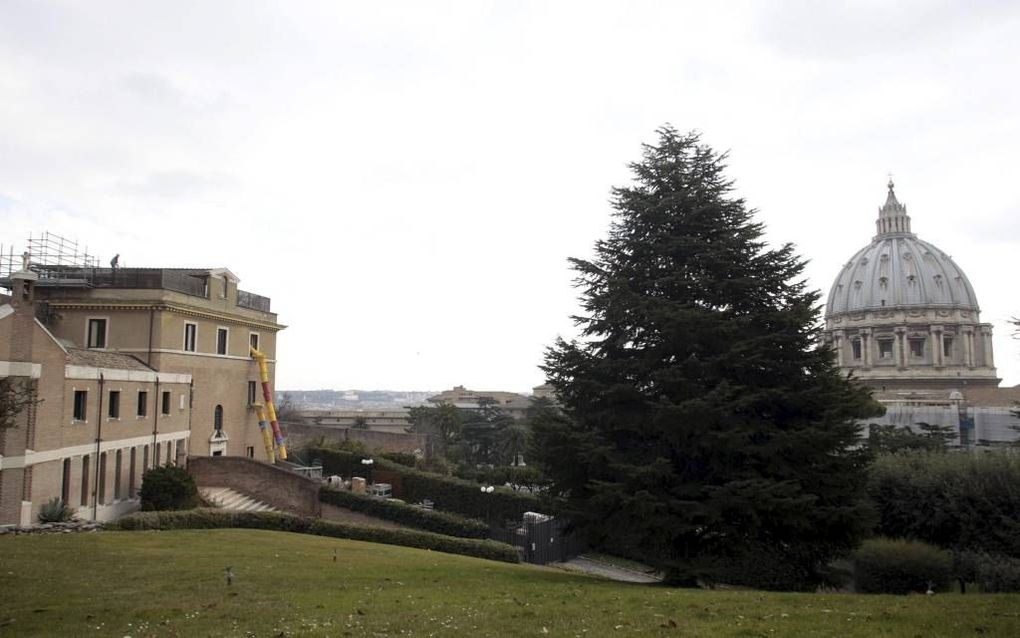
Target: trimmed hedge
{"type": "Point", "coordinates": [430, 520]}
{"type": "Point", "coordinates": [526, 476]}
{"type": "Point", "coordinates": [958, 500]}
{"type": "Point", "coordinates": [448, 493]}
{"type": "Point", "coordinates": [894, 566]}
{"type": "Point", "coordinates": [205, 518]}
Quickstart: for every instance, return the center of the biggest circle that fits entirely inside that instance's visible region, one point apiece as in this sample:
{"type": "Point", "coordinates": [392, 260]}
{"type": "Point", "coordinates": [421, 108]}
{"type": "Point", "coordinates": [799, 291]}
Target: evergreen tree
{"type": "Point", "coordinates": [704, 426]}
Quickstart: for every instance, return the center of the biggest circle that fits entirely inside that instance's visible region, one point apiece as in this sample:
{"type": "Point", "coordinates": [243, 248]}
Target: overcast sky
{"type": "Point", "coordinates": [407, 180]}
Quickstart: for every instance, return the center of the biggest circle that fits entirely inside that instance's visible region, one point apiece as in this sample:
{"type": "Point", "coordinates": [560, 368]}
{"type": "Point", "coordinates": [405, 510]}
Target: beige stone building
{"type": "Point", "coordinates": [101, 419]}
{"type": "Point", "coordinates": [131, 365]}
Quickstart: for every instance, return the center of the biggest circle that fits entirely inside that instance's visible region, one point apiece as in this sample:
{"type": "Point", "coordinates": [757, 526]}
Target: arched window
{"type": "Point", "coordinates": [218, 419]}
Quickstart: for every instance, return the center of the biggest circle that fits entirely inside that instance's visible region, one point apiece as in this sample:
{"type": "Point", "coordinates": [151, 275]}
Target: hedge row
{"type": "Point", "coordinates": [448, 493]}
{"type": "Point", "coordinates": [430, 520]}
{"type": "Point", "coordinates": [218, 518]}
{"type": "Point", "coordinates": [526, 476]}
{"type": "Point", "coordinates": [895, 566]}
{"type": "Point", "coordinates": [957, 500]}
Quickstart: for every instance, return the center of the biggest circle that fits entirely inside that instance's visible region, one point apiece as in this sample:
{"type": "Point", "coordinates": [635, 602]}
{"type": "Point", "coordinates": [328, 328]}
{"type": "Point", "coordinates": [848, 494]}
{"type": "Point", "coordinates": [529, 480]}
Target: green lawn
{"type": "Point", "coordinates": [172, 584]}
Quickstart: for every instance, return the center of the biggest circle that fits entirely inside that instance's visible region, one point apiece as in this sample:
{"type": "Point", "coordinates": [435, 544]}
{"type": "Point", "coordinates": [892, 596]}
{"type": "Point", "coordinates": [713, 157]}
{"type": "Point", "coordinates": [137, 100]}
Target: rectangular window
{"type": "Point", "coordinates": [181, 407]}
{"type": "Point", "coordinates": [253, 340]}
{"type": "Point", "coordinates": [252, 392]}
{"type": "Point", "coordinates": [114, 410]}
{"type": "Point", "coordinates": [101, 483]}
{"type": "Point", "coordinates": [916, 347]}
{"type": "Point", "coordinates": [947, 346]}
{"type": "Point", "coordinates": [132, 470]}
{"type": "Point", "coordinates": [221, 341]}
{"type": "Point", "coordinates": [250, 451]}
{"type": "Point", "coordinates": [165, 404]}
{"type": "Point", "coordinates": [190, 336]}
{"type": "Point", "coordinates": [855, 346]}
{"type": "Point", "coordinates": [143, 403]}
{"type": "Point", "coordinates": [885, 348]}
{"type": "Point", "coordinates": [97, 333]}
{"type": "Point", "coordinates": [65, 483]}
{"type": "Point", "coordinates": [118, 471]}
{"type": "Point", "coordinates": [81, 399]}
{"type": "Point", "coordinates": [84, 480]}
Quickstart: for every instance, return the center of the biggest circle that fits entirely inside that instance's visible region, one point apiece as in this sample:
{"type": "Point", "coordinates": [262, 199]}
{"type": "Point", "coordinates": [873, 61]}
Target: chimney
{"type": "Point", "coordinates": [23, 288]}
{"type": "Point", "coordinates": [23, 303]}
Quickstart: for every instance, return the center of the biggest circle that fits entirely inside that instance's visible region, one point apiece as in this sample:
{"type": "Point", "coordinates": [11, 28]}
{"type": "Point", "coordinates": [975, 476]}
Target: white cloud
{"type": "Point", "coordinates": [427, 169]}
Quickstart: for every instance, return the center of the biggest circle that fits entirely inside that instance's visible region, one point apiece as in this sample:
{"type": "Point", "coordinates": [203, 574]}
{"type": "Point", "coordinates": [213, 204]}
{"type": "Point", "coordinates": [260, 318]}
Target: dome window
{"type": "Point", "coordinates": [938, 281]}
{"type": "Point", "coordinates": [855, 348]}
{"type": "Point", "coordinates": [911, 279]}
{"type": "Point", "coordinates": [917, 347]}
{"type": "Point", "coordinates": [885, 348]}
{"type": "Point", "coordinates": [947, 346]}
{"type": "Point", "coordinates": [883, 282]}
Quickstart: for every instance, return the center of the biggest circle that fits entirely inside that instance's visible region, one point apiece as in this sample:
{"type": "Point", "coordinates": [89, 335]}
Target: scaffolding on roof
{"type": "Point", "coordinates": [49, 250]}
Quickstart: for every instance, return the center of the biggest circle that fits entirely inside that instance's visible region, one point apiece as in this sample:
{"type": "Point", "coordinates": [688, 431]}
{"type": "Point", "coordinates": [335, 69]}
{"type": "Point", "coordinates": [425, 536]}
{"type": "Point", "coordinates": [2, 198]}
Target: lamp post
{"type": "Point", "coordinates": [367, 463]}
{"type": "Point", "coordinates": [487, 489]}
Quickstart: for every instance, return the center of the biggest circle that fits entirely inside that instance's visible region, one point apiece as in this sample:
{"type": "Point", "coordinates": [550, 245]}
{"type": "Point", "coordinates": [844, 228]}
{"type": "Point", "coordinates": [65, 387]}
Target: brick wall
{"type": "Point", "coordinates": [272, 485]}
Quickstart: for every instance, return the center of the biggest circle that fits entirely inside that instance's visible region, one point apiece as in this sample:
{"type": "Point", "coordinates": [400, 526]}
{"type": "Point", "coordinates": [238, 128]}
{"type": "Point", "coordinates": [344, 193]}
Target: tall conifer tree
{"type": "Point", "coordinates": [704, 426]}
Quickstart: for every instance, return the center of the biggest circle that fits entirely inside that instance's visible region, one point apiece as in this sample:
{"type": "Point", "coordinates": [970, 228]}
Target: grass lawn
{"type": "Point", "coordinates": [172, 584]}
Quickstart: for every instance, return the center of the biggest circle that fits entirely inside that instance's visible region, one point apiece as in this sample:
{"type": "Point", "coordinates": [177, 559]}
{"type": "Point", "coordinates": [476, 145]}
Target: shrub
{"type": "Point", "coordinates": [993, 573]}
{"type": "Point", "coordinates": [276, 521]}
{"type": "Point", "coordinates": [894, 566]}
{"type": "Point", "coordinates": [55, 511]}
{"type": "Point", "coordinates": [168, 487]}
{"type": "Point", "coordinates": [963, 501]}
{"type": "Point", "coordinates": [430, 520]}
{"type": "Point", "coordinates": [774, 568]}
{"type": "Point", "coordinates": [448, 493]}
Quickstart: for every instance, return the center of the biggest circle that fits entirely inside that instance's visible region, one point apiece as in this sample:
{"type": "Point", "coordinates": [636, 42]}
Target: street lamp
{"type": "Point", "coordinates": [487, 489]}
{"type": "Point", "coordinates": [368, 463]}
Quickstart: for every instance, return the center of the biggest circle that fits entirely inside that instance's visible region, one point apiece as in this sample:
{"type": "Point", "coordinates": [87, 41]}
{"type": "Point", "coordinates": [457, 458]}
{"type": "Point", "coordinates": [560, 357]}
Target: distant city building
{"type": "Point", "coordinates": [904, 319]}
{"type": "Point", "coordinates": [513, 404]}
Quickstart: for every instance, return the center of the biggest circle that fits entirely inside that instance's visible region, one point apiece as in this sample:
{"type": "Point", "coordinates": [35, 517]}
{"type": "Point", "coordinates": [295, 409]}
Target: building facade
{"type": "Point", "coordinates": [904, 319]}
{"type": "Point", "coordinates": [132, 367]}
{"type": "Point", "coordinates": [99, 421]}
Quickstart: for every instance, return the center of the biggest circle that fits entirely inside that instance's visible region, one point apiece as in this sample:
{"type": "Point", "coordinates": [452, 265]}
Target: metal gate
{"type": "Point", "coordinates": [538, 542]}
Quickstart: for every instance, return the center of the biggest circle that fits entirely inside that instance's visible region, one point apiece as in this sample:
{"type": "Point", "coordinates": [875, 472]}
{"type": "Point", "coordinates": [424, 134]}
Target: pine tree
{"type": "Point", "coordinates": [705, 429]}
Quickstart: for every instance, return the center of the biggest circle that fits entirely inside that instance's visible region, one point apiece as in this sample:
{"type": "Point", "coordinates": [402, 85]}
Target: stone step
{"type": "Point", "coordinates": [229, 499]}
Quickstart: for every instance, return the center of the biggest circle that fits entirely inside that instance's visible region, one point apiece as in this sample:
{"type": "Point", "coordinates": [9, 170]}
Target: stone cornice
{"type": "Point", "coordinates": [181, 309]}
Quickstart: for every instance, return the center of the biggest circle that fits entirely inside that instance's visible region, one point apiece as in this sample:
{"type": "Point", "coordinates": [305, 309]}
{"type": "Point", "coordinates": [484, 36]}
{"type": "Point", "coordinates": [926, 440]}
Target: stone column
{"type": "Point", "coordinates": [837, 342]}
{"type": "Point", "coordinates": [968, 346]}
{"type": "Point", "coordinates": [986, 341]}
{"type": "Point", "coordinates": [900, 356]}
{"type": "Point", "coordinates": [937, 356]}
{"type": "Point", "coordinates": [866, 347]}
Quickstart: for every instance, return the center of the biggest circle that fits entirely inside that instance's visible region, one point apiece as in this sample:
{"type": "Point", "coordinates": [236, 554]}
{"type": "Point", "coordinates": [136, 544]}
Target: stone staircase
{"type": "Point", "coordinates": [228, 499]}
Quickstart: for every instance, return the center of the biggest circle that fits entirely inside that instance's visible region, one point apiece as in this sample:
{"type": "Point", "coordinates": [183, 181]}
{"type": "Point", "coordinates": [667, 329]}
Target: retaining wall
{"type": "Point", "coordinates": [272, 485]}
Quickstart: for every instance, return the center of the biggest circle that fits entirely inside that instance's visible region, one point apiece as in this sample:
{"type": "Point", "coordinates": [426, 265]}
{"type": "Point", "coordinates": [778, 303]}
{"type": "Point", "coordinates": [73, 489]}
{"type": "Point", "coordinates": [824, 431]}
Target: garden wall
{"type": "Point", "coordinates": [272, 485]}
